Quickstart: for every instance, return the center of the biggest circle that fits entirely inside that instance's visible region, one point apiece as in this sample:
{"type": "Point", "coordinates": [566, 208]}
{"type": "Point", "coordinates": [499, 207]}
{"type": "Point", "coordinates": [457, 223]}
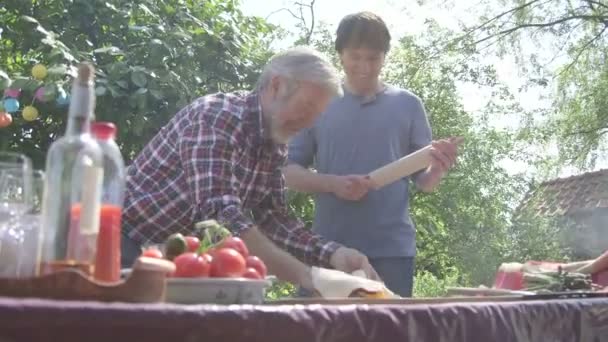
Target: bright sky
{"type": "Point", "coordinates": [407, 17]}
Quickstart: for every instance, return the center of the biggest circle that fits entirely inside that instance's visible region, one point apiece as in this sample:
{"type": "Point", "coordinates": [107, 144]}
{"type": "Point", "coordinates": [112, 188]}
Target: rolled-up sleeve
{"type": "Point", "coordinates": [291, 235]}
{"type": "Point", "coordinates": [288, 232]}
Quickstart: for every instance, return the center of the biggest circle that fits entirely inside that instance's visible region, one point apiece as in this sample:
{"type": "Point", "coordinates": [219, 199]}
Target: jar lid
{"type": "Point", "coordinates": [103, 130]}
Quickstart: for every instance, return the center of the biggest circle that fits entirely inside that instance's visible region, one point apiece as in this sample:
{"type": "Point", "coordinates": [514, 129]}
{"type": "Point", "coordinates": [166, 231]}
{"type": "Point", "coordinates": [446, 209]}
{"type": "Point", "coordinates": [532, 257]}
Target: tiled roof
{"type": "Point", "coordinates": [567, 196]}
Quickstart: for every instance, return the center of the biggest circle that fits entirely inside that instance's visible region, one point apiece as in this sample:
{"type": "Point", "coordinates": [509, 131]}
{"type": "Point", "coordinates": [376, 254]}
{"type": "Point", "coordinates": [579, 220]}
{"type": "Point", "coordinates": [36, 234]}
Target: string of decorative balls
{"type": "Point", "coordinates": [10, 103]}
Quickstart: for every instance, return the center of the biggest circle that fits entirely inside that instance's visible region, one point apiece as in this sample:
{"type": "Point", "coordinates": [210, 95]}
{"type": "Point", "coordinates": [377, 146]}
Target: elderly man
{"type": "Point", "coordinates": [221, 157]}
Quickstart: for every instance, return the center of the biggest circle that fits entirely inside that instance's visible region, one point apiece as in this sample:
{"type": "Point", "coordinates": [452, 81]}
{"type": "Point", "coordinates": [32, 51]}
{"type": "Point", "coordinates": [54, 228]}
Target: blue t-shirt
{"type": "Point", "coordinates": [354, 136]}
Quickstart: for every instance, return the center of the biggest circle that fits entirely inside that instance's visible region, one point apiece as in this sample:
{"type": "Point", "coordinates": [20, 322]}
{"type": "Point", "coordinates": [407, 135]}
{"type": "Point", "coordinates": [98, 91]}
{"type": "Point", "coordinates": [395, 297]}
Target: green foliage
{"type": "Point", "coordinates": [152, 58]}
{"type": "Point", "coordinates": [428, 285]}
{"type": "Point", "coordinates": [560, 45]}
{"type": "Point", "coordinates": [301, 205]}
{"type": "Point", "coordinates": [538, 238]}
{"type": "Point", "coordinates": [581, 121]}
{"type": "Point", "coordinates": [463, 222]}
{"type": "Point", "coordinates": [280, 290]}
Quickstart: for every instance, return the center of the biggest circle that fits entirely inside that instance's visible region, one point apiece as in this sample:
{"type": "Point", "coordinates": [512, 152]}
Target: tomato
{"type": "Point", "coordinates": [153, 253]}
{"type": "Point", "coordinates": [252, 273]}
{"type": "Point", "coordinates": [193, 243]}
{"type": "Point", "coordinates": [227, 263]}
{"type": "Point", "coordinates": [235, 243]}
{"type": "Point", "coordinates": [208, 258]}
{"type": "Point", "coordinates": [256, 263]}
{"type": "Point", "coordinates": [211, 251]}
{"type": "Point", "coordinates": [191, 265]}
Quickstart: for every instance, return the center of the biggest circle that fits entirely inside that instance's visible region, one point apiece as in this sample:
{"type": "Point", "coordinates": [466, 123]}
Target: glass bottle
{"type": "Point", "coordinates": [107, 262]}
{"type": "Point", "coordinates": [72, 190]}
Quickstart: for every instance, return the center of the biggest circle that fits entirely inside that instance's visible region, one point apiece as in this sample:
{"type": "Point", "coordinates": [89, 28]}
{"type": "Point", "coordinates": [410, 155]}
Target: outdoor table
{"type": "Point", "coordinates": [532, 320]}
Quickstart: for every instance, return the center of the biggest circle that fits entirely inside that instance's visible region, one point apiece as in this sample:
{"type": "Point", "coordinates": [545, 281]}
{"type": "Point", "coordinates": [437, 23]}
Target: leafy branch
{"type": "Point", "coordinates": [500, 34]}
{"type": "Point", "coordinates": [583, 49]}
{"type": "Point", "coordinates": [299, 15]}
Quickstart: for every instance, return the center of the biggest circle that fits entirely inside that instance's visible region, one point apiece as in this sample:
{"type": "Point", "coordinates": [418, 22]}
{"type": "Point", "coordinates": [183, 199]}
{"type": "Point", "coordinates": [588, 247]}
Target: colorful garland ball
{"type": "Point", "coordinates": [11, 105]}
{"type": "Point", "coordinates": [5, 119]}
{"type": "Point", "coordinates": [14, 93]}
{"type": "Point", "coordinates": [39, 71]}
{"type": "Point", "coordinates": [40, 94]}
{"type": "Point", "coordinates": [30, 113]}
{"type": "Point", "coordinates": [63, 99]}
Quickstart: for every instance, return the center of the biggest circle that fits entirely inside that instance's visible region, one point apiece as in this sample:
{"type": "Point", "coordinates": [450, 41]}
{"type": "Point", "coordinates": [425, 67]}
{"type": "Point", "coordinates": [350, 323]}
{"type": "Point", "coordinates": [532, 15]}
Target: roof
{"type": "Point", "coordinates": [570, 195]}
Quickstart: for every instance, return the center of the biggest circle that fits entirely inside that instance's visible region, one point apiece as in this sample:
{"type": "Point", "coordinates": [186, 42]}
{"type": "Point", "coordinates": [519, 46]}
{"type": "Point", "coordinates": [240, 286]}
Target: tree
{"type": "Point", "coordinates": [571, 37]}
{"type": "Point", "coordinates": [304, 14]}
{"type": "Point", "coordinates": [152, 57]}
{"type": "Point", "coordinates": [463, 223]}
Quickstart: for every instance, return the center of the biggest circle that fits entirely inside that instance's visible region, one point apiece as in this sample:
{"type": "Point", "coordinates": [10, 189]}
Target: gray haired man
{"type": "Point", "coordinates": [220, 158]}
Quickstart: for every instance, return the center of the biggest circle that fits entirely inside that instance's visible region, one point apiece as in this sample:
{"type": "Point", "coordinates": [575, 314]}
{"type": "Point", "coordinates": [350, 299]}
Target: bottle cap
{"type": "Point", "coordinates": [103, 130]}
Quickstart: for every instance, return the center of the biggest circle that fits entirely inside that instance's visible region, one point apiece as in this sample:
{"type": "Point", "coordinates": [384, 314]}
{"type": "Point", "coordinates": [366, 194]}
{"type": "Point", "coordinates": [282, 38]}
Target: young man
{"type": "Point", "coordinates": [221, 157]}
{"type": "Point", "coordinates": [372, 125]}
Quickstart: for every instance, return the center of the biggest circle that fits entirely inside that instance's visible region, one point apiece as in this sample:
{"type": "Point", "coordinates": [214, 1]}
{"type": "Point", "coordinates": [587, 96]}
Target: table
{"type": "Point", "coordinates": [554, 320]}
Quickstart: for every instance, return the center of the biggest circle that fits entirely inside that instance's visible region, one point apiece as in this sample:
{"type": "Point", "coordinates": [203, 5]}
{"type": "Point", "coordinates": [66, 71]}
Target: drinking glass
{"type": "Point", "coordinates": [15, 185]}
{"type": "Point", "coordinates": [27, 229]}
{"type": "Point", "coordinates": [15, 201]}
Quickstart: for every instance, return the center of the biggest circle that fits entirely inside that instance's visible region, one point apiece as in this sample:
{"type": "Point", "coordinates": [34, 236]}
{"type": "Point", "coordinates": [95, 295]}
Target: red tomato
{"type": "Point", "coordinates": [256, 263]}
{"type": "Point", "coordinates": [207, 257]}
{"type": "Point", "coordinates": [211, 251]}
{"type": "Point", "coordinates": [153, 253]}
{"type": "Point", "coordinates": [227, 263]}
{"type": "Point", "coordinates": [237, 244]}
{"type": "Point", "coordinates": [252, 273]}
{"type": "Point", "coordinates": [191, 265]}
{"type": "Point", "coordinates": [193, 243]}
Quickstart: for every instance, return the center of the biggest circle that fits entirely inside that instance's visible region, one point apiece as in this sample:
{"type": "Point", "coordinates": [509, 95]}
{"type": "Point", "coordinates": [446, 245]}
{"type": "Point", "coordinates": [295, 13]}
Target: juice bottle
{"type": "Point", "coordinates": [107, 261]}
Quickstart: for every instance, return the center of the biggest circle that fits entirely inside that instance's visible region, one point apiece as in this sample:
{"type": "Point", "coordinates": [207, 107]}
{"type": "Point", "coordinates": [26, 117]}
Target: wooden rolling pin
{"type": "Point", "coordinates": [401, 168]}
{"type": "Point", "coordinates": [405, 166]}
{"type": "Point", "coordinates": [477, 291]}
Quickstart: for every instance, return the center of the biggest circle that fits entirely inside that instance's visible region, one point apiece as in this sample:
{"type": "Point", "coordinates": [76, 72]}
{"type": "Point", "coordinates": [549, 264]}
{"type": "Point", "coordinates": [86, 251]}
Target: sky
{"type": "Point", "coordinates": [407, 17]}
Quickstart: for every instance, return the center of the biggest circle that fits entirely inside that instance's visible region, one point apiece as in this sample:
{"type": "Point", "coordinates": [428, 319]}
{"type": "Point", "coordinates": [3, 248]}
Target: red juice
{"type": "Point", "coordinates": [107, 260]}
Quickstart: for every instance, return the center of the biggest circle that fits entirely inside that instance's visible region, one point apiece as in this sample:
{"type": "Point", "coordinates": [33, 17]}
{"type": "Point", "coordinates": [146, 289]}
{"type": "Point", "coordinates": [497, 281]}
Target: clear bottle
{"type": "Point", "coordinates": [72, 190]}
{"type": "Point", "coordinates": [107, 262]}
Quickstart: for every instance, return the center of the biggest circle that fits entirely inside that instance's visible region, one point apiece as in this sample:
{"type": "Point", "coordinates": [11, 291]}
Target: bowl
{"type": "Point", "coordinates": [216, 290]}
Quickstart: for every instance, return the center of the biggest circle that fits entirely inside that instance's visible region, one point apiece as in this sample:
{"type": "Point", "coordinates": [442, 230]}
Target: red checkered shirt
{"type": "Point", "coordinates": [213, 161]}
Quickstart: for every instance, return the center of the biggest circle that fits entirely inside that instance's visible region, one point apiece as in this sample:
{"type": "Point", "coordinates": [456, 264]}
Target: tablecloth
{"type": "Point", "coordinates": [554, 320]}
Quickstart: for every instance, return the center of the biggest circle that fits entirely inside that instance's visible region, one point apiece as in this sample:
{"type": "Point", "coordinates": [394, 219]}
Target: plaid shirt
{"type": "Point", "coordinates": [213, 160]}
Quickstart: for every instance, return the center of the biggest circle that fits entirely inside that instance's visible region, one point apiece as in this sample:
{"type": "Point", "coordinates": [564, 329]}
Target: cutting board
{"type": "Point", "coordinates": [391, 301]}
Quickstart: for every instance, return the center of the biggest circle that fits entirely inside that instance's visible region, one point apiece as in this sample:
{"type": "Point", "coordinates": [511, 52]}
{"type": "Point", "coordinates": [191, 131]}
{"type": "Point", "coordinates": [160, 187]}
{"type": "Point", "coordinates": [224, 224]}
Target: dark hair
{"type": "Point", "coordinates": [363, 29]}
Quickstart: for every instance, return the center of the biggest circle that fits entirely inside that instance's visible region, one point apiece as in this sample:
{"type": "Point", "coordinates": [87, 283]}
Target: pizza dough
{"type": "Point", "coordinates": [336, 284]}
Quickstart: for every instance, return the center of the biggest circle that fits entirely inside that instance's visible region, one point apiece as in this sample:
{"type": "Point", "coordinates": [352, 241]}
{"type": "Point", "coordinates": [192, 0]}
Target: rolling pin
{"type": "Point", "coordinates": [405, 166]}
{"type": "Point", "coordinates": [400, 168]}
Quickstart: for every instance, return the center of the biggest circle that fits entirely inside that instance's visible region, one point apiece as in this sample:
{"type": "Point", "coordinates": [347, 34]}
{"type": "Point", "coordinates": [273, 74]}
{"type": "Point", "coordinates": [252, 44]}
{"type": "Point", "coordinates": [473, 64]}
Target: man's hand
{"type": "Point", "coordinates": [349, 260]}
{"type": "Point", "coordinates": [351, 187]}
{"type": "Point", "coordinates": [444, 154]}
